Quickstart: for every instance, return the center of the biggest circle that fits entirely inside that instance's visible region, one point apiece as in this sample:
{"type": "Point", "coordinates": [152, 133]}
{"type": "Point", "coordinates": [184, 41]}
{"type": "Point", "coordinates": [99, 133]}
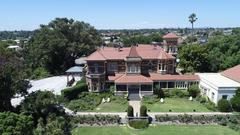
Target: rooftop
{"type": "Point", "coordinates": [170, 35]}
{"type": "Point", "coordinates": [218, 80]}
{"type": "Point", "coordinates": [133, 79]}
{"type": "Point", "coordinates": [145, 51]}
{"type": "Point", "coordinates": [159, 77]}
{"type": "Point", "coordinates": [232, 73]}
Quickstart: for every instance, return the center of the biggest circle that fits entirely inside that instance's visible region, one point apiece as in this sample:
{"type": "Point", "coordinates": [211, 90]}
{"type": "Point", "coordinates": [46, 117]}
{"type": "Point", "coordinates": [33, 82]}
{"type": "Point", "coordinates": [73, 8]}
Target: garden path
{"type": "Point", "coordinates": [136, 107]}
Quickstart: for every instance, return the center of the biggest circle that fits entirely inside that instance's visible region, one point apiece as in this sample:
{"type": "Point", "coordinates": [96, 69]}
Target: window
{"type": "Point", "coordinates": [113, 66]}
{"type": "Point", "coordinates": [213, 95]}
{"type": "Point", "coordinates": [95, 68]}
{"type": "Point", "coordinates": [132, 68]}
{"type": "Point", "coordinates": [224, 96]}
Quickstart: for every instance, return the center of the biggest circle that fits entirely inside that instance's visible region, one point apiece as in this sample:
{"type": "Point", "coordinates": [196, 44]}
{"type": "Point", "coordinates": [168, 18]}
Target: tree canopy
{"type": "Point", "coordinates": [56, 45]}
{"type": "Point", "coordinates": [220, 53]}
{"type": "Point", "coordinates": [11, 77]}
{"type": "Point", "coordinates": [15, 124]}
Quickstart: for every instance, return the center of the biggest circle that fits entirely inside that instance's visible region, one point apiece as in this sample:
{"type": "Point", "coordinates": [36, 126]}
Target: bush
{"type": "Point", "coordinates": [96, 119]}
{"type": "Point", "coordinates": [159, 92]}
{"type": "Point", "coordinates": [72, 93]}
{"type": "Point", "coordinates": [201, 99]}
{"type": "Point", "coordinates": [235, 101]}
{"type": "Point", "coordinates": [86, 101]}
{"type": "Point", "coordinates": [224, 106]}
{"type": "Point", "coordinates": [143, 111]}
{"type": "Point", "coordinates": [138, 124]}
{"type": "Point", "coordinates": [176, 93]}
{"type": "Point", "coordinates": [193, 90]}
{"type": "Point", "coordinates": [150, 99]}
{"type": "Point", "coordinates": [130, 111]}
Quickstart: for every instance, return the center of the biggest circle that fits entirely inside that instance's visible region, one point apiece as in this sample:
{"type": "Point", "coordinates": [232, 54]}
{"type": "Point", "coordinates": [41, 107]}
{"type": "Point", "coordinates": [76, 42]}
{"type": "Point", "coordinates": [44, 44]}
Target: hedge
{"type": "Point", "coordinates": [96, 119]}
{"type": "Point", "coordinates": [232, 121]}
{"type": "Point", "coordinates": [138, 124]}
{"type": "Point", "coordinates": [130, 111]}
{"type": "Point", "coordinates": [143, 111]}
{"type": "Point", "coordinates": [72, 93]}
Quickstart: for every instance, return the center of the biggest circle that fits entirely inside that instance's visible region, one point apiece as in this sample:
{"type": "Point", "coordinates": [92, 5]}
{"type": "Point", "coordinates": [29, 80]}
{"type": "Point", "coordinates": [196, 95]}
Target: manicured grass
{"type": "Point", "coordinates": [111, 107]}
{"type": "Point", "coordinates": [156, 130]}
{"type": "Point", "coordinates": [177, 105]}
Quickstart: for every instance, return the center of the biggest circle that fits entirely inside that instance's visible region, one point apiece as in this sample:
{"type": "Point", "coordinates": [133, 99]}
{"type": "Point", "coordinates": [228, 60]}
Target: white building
{"type": "Point", "coordinates": [216, 86]}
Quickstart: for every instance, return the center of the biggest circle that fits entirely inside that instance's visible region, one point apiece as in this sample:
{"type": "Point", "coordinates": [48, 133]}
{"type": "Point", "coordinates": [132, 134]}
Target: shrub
{"type": "Point", "coordinates": [139, 124]}
{"type": "Point", "coordinates": [193, 90]}
{"type": "Point", "coordinates": [86, 101]}
{"type": "Point", "coordinates": [143, 111]}
{"type": "Point", "coordinates": [177, 93]}
{"type": "Point", "coordinates": [150, 99]}
{"type": "Point", "coordinates": [201, 99]}
{"type": "Point", "coordinates": [96, 119]}
{"type": "Point", "coordinates": [235, 101]}
{"type": "Point", "coordinates": [72, 93]}
{"type": "Point", "coordinates": [130, 111]}
{"type": "Point", "coordinates": [159, 92]}
{"type": "Point", "coordinates": [224, 105]}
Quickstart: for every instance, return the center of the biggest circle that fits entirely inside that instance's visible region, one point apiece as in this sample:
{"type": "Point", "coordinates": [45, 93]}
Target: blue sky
{"type": "Point", "coordinates": [118, 14]}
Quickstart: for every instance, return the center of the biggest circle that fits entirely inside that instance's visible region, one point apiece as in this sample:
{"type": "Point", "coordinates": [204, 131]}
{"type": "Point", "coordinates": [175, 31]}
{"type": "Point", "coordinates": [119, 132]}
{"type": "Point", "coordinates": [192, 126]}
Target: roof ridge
{"type": "Point", "coordinates": [133, 52]}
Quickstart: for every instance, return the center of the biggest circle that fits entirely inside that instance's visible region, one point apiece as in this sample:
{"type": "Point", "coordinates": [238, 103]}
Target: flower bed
{"type": "Point", "coordinates": [96, 120]}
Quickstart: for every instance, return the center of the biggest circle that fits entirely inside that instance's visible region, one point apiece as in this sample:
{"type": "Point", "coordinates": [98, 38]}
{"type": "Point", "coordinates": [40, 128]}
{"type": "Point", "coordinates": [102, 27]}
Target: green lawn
{"type": "Point", "coordinates": [156, 130]}
{"type": "Point", "coordinates": [177, 105]}
{"type": "Point", "coordinates": [111, 107]}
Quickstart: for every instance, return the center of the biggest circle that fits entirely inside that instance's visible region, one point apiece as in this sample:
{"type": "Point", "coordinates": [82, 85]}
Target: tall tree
{"type": "Point", "coordinates": [12, 80]}
{"type": "Point", "coordinates": [55, 46]}
{"type": "Point", "coordinates": [192, 18]}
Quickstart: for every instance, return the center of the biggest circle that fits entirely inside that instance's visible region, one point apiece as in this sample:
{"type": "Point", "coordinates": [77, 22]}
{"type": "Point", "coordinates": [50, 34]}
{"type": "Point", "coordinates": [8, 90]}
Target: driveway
{"type": "Point", "coordinates": [55, 84]}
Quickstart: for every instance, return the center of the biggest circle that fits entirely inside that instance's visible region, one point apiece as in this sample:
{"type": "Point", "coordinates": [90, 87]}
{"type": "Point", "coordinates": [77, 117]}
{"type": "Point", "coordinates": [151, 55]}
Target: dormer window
{"type": "Point", "coordinates": [133, 68]}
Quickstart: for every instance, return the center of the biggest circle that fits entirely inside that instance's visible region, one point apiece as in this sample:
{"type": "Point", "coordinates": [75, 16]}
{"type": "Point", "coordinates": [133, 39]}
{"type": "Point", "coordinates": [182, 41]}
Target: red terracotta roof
{"type": "Point", "coordinates": [159, 77]}
{"type": "Point", "coordinates": [96, 56]}
{"type": "Point", "coordinates": [133, 52]}
{"type": "Point", "coordinates": [170, 35]}
{"type": "Point", "coordinates": [145, 51]}
{"type": "Point", "coordinates": [232, 73]}
{"type": "Point", "coordinates": [133, 79]}
{"type": "Point", "coordinates": [114, 77]}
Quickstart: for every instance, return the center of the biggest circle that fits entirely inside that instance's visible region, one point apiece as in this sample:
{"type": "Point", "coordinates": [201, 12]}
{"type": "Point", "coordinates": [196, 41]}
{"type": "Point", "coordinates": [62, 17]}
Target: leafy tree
{"type": "Point", "coordinates": [40, 104]}
{"type": "Point", "coordinates": [193, 58]}
{"type": "Point", "coordinates": [235, 101]}
{"type": "Point", "coordinates": [224, 105]}
{"type": "Point", "coordinates": [15, 124]}
{"type": "Point", "coordinates": [193, 91]}
{"type": "Point", "coordinates": [11, 78]}
{"type": "Point", "coordinates": [55, 46]}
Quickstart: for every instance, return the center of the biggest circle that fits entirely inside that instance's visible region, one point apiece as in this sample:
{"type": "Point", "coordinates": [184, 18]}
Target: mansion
{"type": "Point", "coordinates": [137, 69]}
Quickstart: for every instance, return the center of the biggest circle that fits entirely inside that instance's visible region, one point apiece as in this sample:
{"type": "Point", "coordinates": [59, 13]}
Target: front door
{"type": "Point", "coordinates": [133, 92]}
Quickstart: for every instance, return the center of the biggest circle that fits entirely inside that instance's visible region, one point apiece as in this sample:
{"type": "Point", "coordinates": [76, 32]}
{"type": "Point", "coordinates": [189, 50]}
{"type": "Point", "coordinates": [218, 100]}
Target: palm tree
{"type": "Point", "coordinates": [192, 18]}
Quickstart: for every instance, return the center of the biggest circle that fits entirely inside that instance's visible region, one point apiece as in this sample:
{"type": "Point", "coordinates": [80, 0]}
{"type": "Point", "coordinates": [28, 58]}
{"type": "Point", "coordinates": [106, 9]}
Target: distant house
{"type": "Point", "coordinates": [170, 43]}
{"type": "Point", "coordinates": [220, 85]}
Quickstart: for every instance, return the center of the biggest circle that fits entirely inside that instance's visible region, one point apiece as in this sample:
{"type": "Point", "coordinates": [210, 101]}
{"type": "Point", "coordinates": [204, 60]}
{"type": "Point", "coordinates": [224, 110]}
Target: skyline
{"type": "Point", "coordinates": [124, 14]}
